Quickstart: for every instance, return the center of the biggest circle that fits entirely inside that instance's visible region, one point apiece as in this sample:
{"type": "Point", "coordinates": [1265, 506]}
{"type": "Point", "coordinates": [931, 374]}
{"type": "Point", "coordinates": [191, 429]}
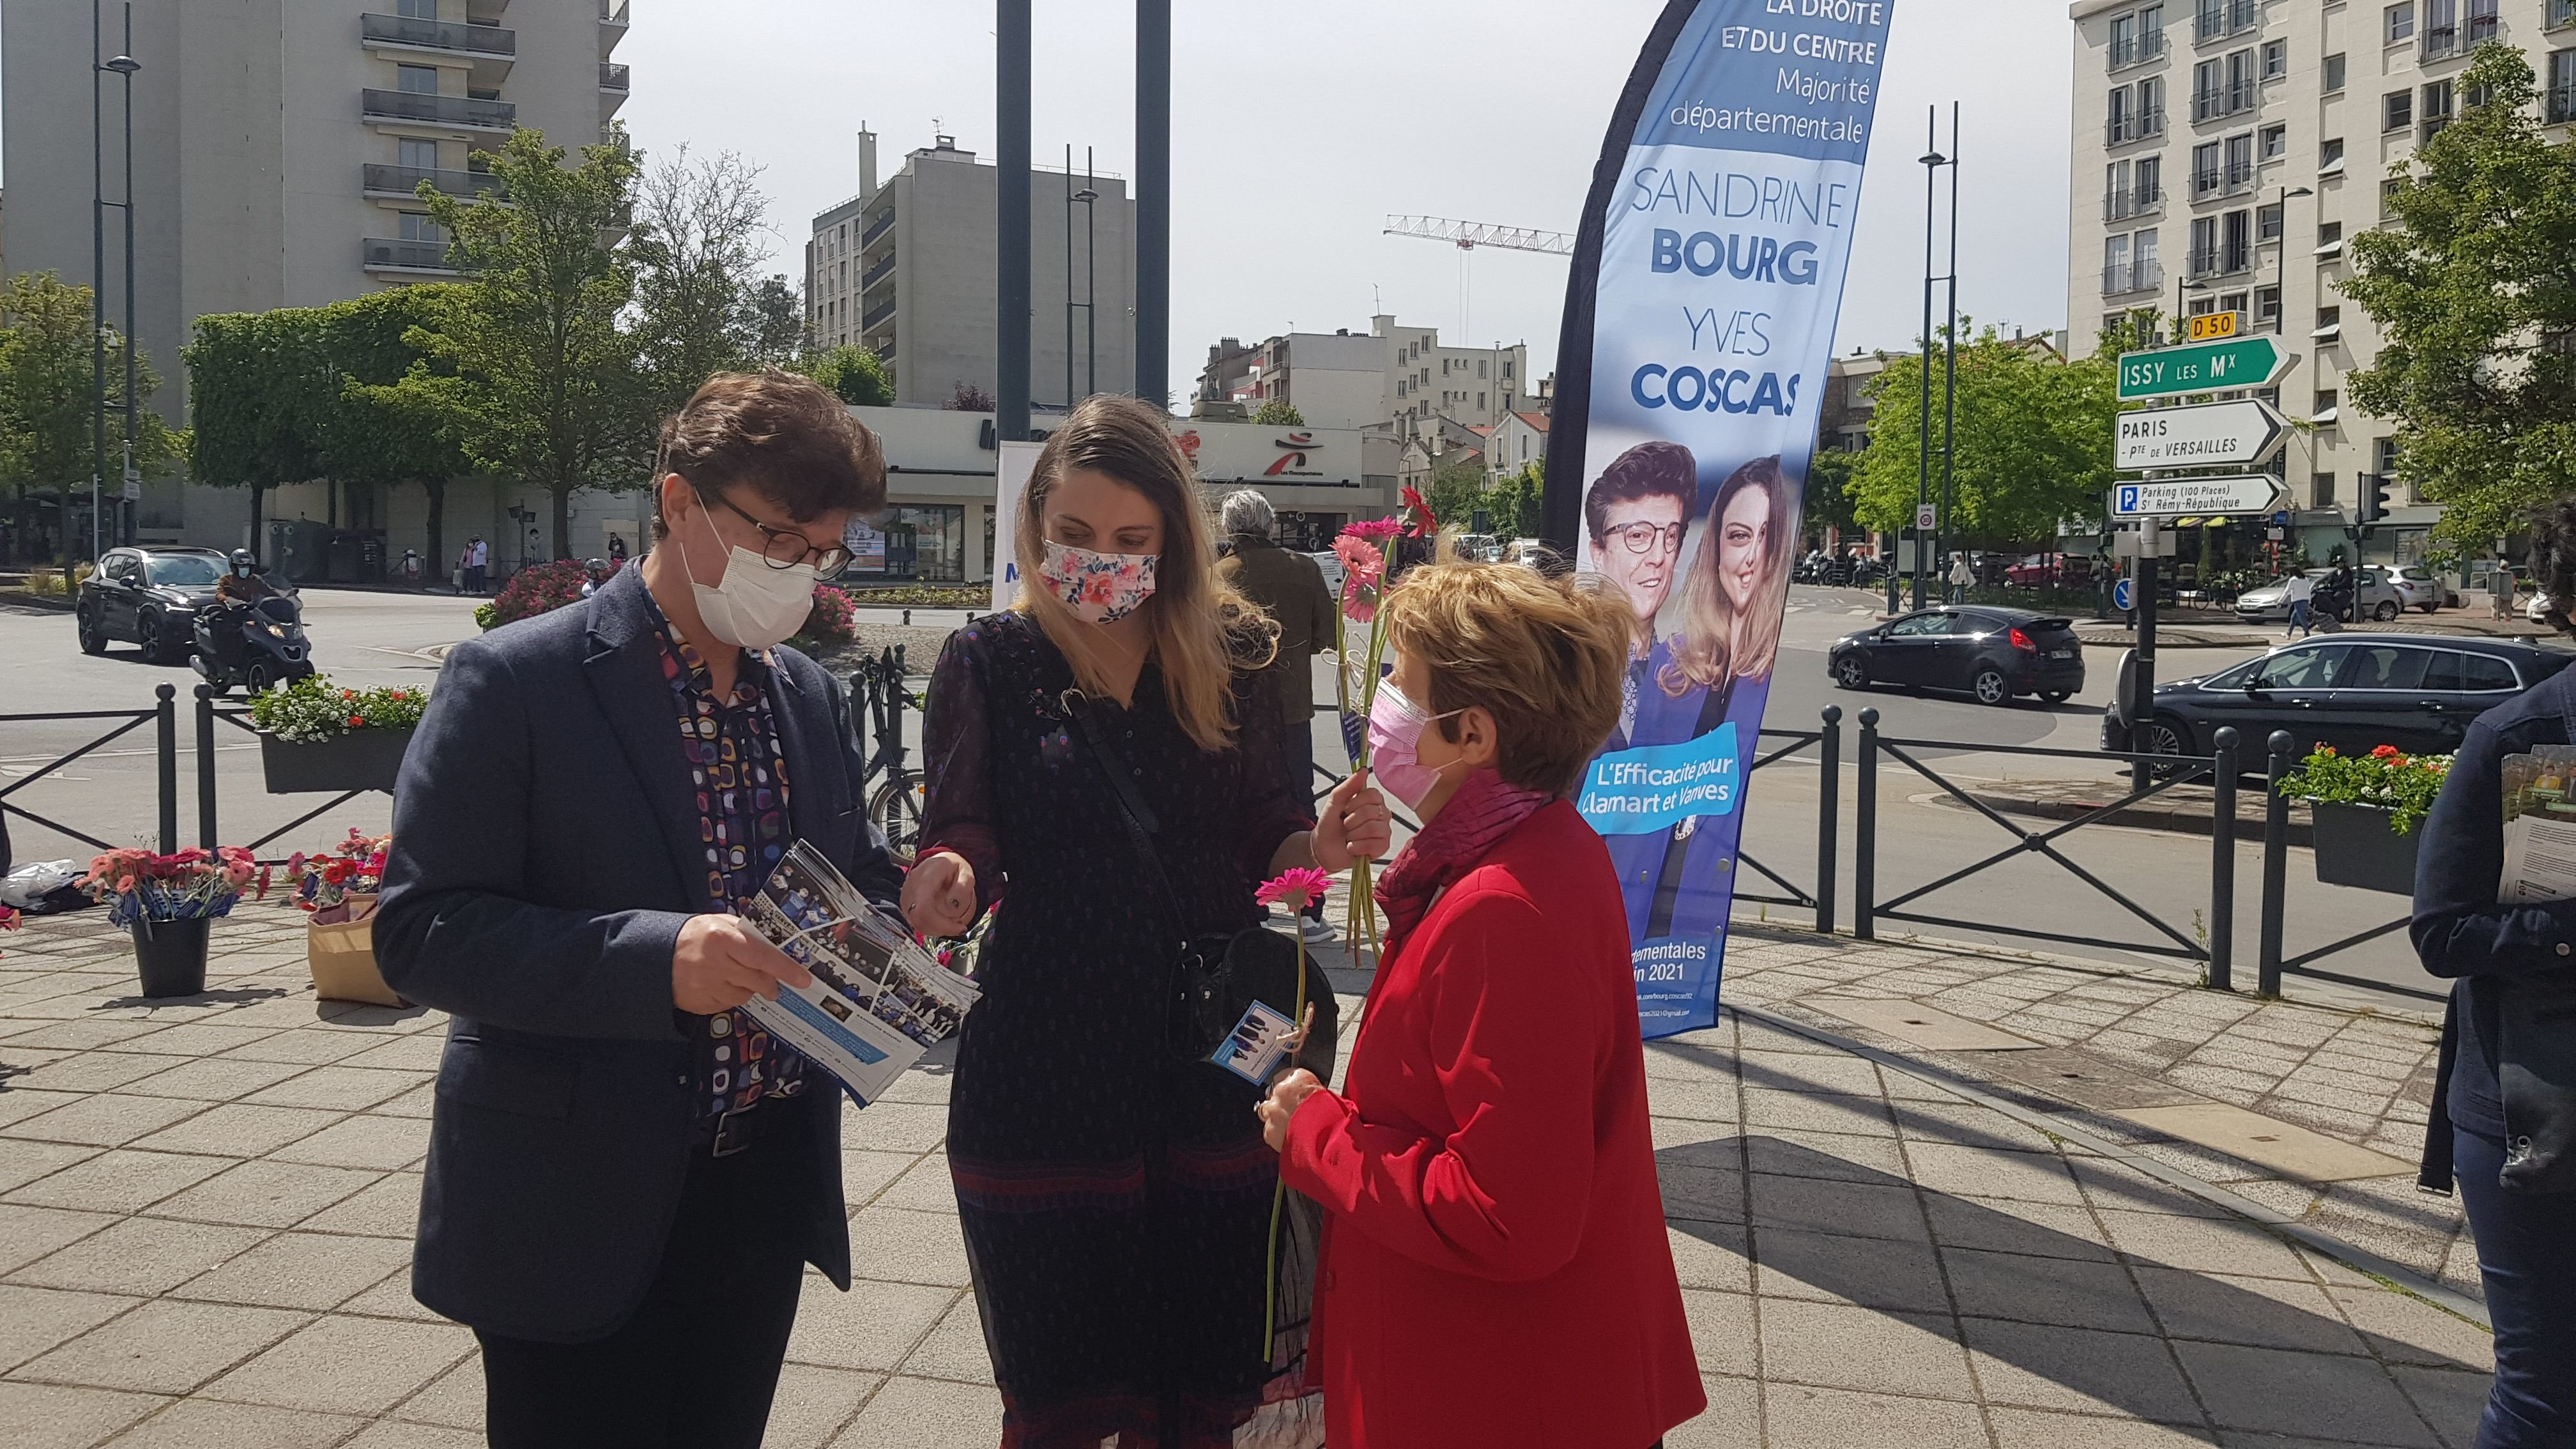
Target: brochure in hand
{"type": "Point", "coordinates": [878, 1000]}
{"type": "Point", "coordinates": [2539, 825]}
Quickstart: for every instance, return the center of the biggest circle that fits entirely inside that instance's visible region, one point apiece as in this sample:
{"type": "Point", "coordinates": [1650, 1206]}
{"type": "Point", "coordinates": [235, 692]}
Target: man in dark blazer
{"type": "Point", "coordinates": [626, 1175]}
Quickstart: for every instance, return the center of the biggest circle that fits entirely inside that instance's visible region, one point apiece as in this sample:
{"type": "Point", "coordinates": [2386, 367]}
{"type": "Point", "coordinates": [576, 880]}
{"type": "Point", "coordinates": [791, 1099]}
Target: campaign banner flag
{"type": "Point", "coordinates": [1698, 323]}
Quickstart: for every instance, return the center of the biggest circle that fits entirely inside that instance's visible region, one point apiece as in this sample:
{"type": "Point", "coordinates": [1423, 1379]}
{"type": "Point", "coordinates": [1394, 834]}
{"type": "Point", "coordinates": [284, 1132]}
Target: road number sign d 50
{"type": "Point", "coordinates": [2210, 326]}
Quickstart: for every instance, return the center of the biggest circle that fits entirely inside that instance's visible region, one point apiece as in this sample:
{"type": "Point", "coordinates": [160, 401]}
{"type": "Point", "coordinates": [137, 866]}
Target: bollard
{"type": "Point", "coordinates": [205, 767]}
{"type": "Point", "coordinates": [167, 713]}
{"type": "Point", "coordinates": [1827, 812]}
{"type": "Point", "coordinates": [907, 618]}
{"type": "Point", "coordinates": [2276, 861]}
{"type": "Point", "coordinates": [2222, 862]}
{"type": "Point", "coordinates": [1865, 833]}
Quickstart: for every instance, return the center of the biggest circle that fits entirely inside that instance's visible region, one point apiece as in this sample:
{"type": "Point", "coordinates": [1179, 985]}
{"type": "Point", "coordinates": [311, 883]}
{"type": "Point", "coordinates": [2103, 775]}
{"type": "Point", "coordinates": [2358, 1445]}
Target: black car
{"type": "Point", "coordinates": [2355, 692]}
{"type": "Point", "coordinates": [148, 596]}
{"type": "Point", "coordinates": [1991, 653]}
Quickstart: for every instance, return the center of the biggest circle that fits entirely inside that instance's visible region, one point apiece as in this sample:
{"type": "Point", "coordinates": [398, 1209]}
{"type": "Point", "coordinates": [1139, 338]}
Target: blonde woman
{"type": "Point", "coordinates": [1115, 1198]}
{"type": "Point", "coordinates": [1720, 672]}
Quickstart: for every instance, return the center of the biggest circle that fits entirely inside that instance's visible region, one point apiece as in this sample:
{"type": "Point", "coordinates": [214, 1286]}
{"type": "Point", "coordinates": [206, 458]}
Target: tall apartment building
{"type": "Point", "coordinates": [2223, 152]}
{"type": "Point", "coordinates": [1393, 377]}
{"type": "Point", "coordinates": [277, 148]}
{"type": "Point", "coordinates": [907, 269]}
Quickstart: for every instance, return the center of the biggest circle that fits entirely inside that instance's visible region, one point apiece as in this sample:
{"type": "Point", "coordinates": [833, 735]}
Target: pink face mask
{"type": "Point", "coordinates": [1100, 588]}
{"type": "Point", "coordinates": [1395, 728]}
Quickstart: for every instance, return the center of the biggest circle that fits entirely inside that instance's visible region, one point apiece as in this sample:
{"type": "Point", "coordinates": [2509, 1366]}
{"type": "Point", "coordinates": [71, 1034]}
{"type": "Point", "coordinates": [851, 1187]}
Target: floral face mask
{"type": "Point", "coordinates": [1100, 588]}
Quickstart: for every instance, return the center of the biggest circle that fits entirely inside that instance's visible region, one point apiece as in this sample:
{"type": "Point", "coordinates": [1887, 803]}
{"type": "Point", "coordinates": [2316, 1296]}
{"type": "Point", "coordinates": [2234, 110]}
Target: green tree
{"type": "Point", "coordinates": [374, 429]}
{"type": "Point", "coordinates": [694, 253]}
{"type": "Point", "coordinates": [2033, 441]}
{"type": "Point", "coordinates": [46, 398]}
{"type": "Point", "coordinates": [533, 374]}
{"type": "Point", "coordinates": [853, 374]}
{"type": "Point", "coordinates": [2474, 295]}
{"type": "Point", "coordinates": [1279, 413]}
{"type": "Point", "coordinates": [1513, 502]}
{"type": "Point", "coordinates": [256, 389]}
{"type": "Point", "coordinates": [774, 321]}
{"type": "Point", "coordinates": [1828, 497]}
{"type": "Point", "coordinates": [1457, 490]}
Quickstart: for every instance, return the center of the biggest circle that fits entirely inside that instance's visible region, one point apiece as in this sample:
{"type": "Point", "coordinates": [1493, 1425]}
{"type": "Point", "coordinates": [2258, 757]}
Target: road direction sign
{"type": "Point", "coordinates": [2212, 434]}
{"type": "Point", "coordinates": [2121, 593]}
{"type": "Point", "coordinates": [2256, 361]}
{"type": "Point", "coordinates": [2162, 497]}
{"type": "Point", "coordinates": [1927, 517]}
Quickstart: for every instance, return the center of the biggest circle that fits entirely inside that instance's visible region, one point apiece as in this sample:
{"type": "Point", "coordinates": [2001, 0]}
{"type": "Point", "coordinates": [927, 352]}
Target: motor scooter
{"type": "Point", "coordinates": [272, 650]}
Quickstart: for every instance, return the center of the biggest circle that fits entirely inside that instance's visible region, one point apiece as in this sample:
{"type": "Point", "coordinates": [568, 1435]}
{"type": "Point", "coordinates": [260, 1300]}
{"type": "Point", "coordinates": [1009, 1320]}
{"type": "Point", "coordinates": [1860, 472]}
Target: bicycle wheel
{"type": "Point", "coordinates": [895, 808]}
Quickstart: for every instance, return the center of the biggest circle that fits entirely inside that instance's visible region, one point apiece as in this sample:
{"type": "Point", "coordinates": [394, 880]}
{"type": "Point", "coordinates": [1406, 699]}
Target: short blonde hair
{"type": "Point", "coordinates": [1542, 655]}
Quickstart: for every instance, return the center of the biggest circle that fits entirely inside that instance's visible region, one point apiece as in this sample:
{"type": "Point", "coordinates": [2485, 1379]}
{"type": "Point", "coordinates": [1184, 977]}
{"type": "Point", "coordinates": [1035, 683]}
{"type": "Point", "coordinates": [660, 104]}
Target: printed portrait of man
{"type": "Point", "coordinates": [1634, 517]}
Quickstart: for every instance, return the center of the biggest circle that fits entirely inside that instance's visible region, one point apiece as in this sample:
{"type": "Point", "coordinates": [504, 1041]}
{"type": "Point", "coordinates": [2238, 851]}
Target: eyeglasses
{"type": "Point", "coordinates": [1640, 537]}
{"type": "Point", "coordinates": [785, 548]}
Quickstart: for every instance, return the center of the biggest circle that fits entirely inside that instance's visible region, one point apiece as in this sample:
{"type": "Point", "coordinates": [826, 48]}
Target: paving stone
{"type": "Point", "coordinates": [201, 1039]}
{"type": "Point", "coordinates": [86, 1034]}
{"type": "Point", "coordinates": [1869, 1272]}
{"type": "Point", "coordinates": [2407, 1330]}
{"type": "Point", "coordinates": [2039, 1229]}
{"type": "Point", "coordinates": [2322, 1395]}
{"type": "Point", "coordinates": [1834, 1346]}
{"type": "Point", "coordinates": [417, 1052]}
{"type": "Point", "coordinates": [306, 1046]}
{"type": "Point", "coordinates": [119, 1180]}
{"type": "Point", "coordinates": [1839, 1156]}
{"type": "Point", "coordinates": [2116, 1185]}
{"type": "Point", "coordinates": [388, 1208]}
{"type": "Point", "coordinates": [210, 1079]}
{"type": "Point", "coordinates": [924, 1187]}
{"type": "Point", "coordinates": [311, 1271]}
{"type": "Point", "coordinates": [237, 1129]}
{"type": "Point", "coordinates": [1807, 1417]}
{"type": "Point", "coordinates": [813, 1403]}
{"type": "Point", "coordinates": [873, 1326]}
{"type": "Point", "coordinates": [2266, 1312]}
{"type": "Point", "coordinates": [454, 1400]}
{"type": "Point", "coordinates": [394, 1434]}
{"type": "Point", "coordinates": [24, 1161]}
{"type": "Point", "coordinates": [2202, 1245]}
{"type": "Point", "coordinates": [379, 1142]}
{"type": "Point", "coordinates": [1969, 1123]}
{"type": "Point", "coordinates": [895, 1126]}
{"type": "Point", "coordinates": [33, 1320]}
{"type": "Point", "coordinates": [895, 1246]}
{"type": "Point", "coordinates": [91, 1071]}
{"type": "Point", "coordinates": [205, 1424]}
{"type": "Point", "coordinates": [1856, 1209]}
{"type": "Point", "coordinates": [1732, 1419]}
{"type": "Point", "coordinates": [50, 1416]}
{"type": "Point", "coordinates": [107, 1119]}
{"type": "Point", "coordinates": [29, 1233]}
{"type": "Point", "coordinates": [864, 1174]}
{"type": "Point", "coordinates": [339, 1088]}
{"type": "Point", "coordinates": [910, 1413]}
{"type": "Point", "coordinates": [1817, 1112]}
{"type": "Point", "coordinates": [263, 1194]}
{"type": "Point", "coordinates": [2031, 1176]}
{"type": "Point", "coordinates": [347, 1365]}
{"type": "Point", "coordinates": [1711, 1255]}
{"type": "Point", "coordinates": [1808, 1073]}
{"type": "Point", "coordinates": [2028, 1289]}
{"type": "Point", "coordinates": [1701, 1193]}
{"type": "Point", "coordinates": [954, 1349]}
{"type": "Point", "coordinates": [163, 1347]}
{"type": "Point", "coordinates": [2450, 1400]}
{"type": "Point", "coordinates": [391, 1299]}
{"type": "Point", "coordinates": [1704, 1101]}
{"type": "Point", "coordinates": [142, 1256]}
{"type": "Point", "coordinates": [2031, 1429]}
{"type": "Point", "coordinates": [2044, 1366]}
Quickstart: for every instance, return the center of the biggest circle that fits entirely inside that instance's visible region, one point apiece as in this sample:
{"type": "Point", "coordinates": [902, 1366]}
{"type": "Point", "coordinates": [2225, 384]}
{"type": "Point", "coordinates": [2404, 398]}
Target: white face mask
{"type": "Point", "coordinates": [756, 604]}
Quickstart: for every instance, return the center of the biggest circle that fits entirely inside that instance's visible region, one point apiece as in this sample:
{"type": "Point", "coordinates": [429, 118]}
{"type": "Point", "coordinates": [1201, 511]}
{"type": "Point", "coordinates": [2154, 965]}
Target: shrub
{"type": "Point", "coordinates": [541, 589]}
{"type": "Point", "coordinates": [2388, 779]}
{"type": "Point", "coordinates": [922, 596]}
{"type": "Point", "coordinates": [313, 708]}
{"type": "Point", "coordinates": [833, 619]}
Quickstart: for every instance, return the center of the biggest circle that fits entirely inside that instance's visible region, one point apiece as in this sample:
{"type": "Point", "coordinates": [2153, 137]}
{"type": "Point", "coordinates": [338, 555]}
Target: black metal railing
{"type": "Point", "coordinates": [439, 35]}
{"type": "Point", "coordinates": [118, 724]}
{"type": "Point", "coordinates": [877, 228]}
{"type": "Point", "coordinates": [613, 76]}
{"type": "Point", "coordinates": [209, 713]}
{"type": "Point", "coordinates": [460, 111]}
{"type": "Point", "coordinates": [383, 180]}
{"type": "Point", "coordinates": [418, 256]}
{"type": "Point", "coordinates": [1827, 742]}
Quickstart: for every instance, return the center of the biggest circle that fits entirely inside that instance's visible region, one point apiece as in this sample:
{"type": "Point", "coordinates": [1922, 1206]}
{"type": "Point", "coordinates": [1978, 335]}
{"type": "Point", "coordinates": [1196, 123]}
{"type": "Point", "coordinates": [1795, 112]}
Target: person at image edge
{"type": "Point", "coordinates": [626, 1175]}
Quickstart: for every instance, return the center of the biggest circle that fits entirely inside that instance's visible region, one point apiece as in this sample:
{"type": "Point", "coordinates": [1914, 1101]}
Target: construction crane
{"type": "Point", "coordinates": [1466, 236]}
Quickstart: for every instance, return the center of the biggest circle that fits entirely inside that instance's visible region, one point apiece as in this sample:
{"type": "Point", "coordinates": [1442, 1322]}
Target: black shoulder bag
{"type": "Point", "coordinates": [1216, 977]}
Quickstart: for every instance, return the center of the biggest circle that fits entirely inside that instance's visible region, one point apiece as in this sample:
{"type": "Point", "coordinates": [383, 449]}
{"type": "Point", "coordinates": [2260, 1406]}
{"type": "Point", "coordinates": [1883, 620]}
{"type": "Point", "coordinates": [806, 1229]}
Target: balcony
{"type": "Point", "coordinates": [612, 76]}
{"type": "Point", "coordinates": [2141, 276]}
{"type": "Point", "coordinates": [2562, 104]}
{"type": "Point", "coordinates": [385, 254]}
{"type": "Point", "coordinates": [2219, 19]}
{"type": "Point", "coordinates": [2202, 262]}
{"type": "Point", "coordinates": [873, 274]}
{"type": "Point", "coordinates": [876, 315]}
{"type": "Point", "coordinates": [2204, 182]}
{"type": "Point", "coordinates": [462, 113]}
{"type": "Point", "coordinates": [2120, 130]}
{"type": "Point", "coordinates": [489, 48]}
{"type": "Point", "coordinates": [403, 182]}
{"type": "Point", "coordinates": [877, 228]}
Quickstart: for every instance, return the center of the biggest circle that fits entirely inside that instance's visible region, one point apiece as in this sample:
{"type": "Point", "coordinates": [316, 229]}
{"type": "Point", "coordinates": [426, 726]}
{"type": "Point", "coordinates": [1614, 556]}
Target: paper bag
{"type": "Point", "coordinates": [339, 946]}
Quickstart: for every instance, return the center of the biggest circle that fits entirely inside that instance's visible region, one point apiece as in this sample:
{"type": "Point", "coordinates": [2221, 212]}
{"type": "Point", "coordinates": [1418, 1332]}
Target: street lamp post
{"type": "Point", "coordinates": [1926, 549]}
{"type": "Point", "coordinates": [124, 65]}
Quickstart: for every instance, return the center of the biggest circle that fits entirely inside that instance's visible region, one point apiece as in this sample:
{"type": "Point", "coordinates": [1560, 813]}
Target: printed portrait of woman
{"type": "Point", "coordinates": [1718, 671]}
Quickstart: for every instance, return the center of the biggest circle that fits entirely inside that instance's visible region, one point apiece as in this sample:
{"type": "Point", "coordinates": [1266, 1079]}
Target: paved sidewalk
{"type": "Point", "coordinates": [206, 1207]}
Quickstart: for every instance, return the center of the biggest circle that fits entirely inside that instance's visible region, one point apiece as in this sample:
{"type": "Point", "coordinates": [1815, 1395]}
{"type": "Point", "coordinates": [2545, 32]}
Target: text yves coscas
{"type": "Point", "coordinates": [1760, 258]}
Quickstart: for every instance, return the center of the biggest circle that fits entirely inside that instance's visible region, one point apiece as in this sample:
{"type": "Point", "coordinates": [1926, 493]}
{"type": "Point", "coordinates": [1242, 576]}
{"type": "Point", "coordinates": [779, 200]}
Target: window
{"type": "Point", "coordinates": [2204, 169]}
{"type": "Point", "coordinates": [2387, 455]}
{"type": "Point", "coordinates": [2115, 265]}
{"type": "Point", "coordinates": [420, 80]}
{"type": "Point", "coordinates": [2299, 668]}
{"type": "Point", "coordinates": [2330, 156]}
{"type": "Point", "coordinates": [2454, 672]}
{"type": "Point", "coordinates": [2329, 322]}
{"type": "Point", "coordinates": [416, 226]}
{"type": "Point", "coordinates": [1480, 402]}
{"type": "Point", "coordinates": [416, 9]}
{"type": "Point", "coordinates": [1507, 370]}
{"type": "Point", "coordinates": [2124, 40]}
{"type": "Point", "coordinates": [2276, 59]}
{"type": "Point", "coordinates": [2437, 107]}
{"type": "Point", "coordinates": [2150, 272]}
{"type": "Point", "coordinates": [2208, 92]}
{"type": "Point", "coordinates": [2267, 308]}
{"type": "Point", "coordinates": [2231, 301]}
{"type": "Point", "coordinates": [2204, 245]}
{"type": "Point", "coordinates": [2482, 22]}
{"type": "Point", "coordinates": [2267, 222]}
{"type": "Point", "coordinates": [2334, 71]}
{"type": "Point", "coordinates": [2148, 190]}
{"type": "Point", "coordinates": [2562, 85]}
{"type": "Point", "coordinates": [2270, 142]}
{"type": "Point", "coordinates": [2383, 666]}
{"type": "Point", "coordinates": [2325, 402]}
{"type": "Point", "coordinates": [2242, 78]}
{"type": "Point", "coordinates": [2151, 106]}
{"type": "Point", "coordinates": [2151, 31]}
{"type": "Point", "coordinates": [2321, 489]}
{"type": "Point", "coordinates": [2240, 162]}
{"type": "Point", "coordinates": [2329, 233]}
{"type": "Point", "coordinates": [2209, 20]}
{"type": "Point", "coordinates": [2398, 22]}
{"type": "Point", "coordinates": [2236, 241]}
{"type": "Point", "coordinates": [2397, 110]}
{"type": "Point", "coordinates": [416, 153]}
{"type": "Point", "coordinates": [2441, 28]}
{"type": "Point", "coordinates": [2388, 198]}
{"type": "Point", "coordinates": [1481, 365]}
{"type": "Point", "coordinates": [2561, 13]}
{"type": "Point", "coordinates": [1924, 626]}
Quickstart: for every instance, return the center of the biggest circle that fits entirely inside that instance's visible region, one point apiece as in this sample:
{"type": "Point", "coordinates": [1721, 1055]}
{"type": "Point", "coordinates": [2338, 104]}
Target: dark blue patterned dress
{"type": "Point", "coordinates": [1116, 1200]}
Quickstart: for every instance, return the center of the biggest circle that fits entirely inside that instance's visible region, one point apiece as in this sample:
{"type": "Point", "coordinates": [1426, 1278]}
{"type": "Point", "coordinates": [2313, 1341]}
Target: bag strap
{"type": "Point", "coordinates": [1133, 812]}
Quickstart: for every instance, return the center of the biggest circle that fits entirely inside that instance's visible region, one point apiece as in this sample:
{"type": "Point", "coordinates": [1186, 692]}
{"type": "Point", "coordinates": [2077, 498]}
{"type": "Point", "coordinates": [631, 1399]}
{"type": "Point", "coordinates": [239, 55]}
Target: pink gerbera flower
{"type": "Point", "coordinates": [1297, 887]}
{"type": "Point", "coordinates": [1362, 562]}
{"type": "Point", "coordinates": [1378, 528]}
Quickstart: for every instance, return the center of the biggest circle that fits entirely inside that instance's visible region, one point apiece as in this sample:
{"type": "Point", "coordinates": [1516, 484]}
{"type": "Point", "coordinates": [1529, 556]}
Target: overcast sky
{"type": "Point", "coordinates": [1298, 128]}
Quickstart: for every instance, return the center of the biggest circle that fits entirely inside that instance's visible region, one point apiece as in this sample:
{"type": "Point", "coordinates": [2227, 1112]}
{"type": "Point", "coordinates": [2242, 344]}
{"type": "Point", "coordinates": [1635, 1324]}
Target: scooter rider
{"type": "Point", "coordinates": [240, 588]}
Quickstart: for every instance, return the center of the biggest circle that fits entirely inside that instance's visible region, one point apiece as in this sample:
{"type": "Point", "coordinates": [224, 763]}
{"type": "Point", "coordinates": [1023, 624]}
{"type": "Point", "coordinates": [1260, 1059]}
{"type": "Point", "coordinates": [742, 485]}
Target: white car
{"type": "Point", "coordinates": [1331, 563]}
{"type": "Point", "coordinates": [2537, 611]}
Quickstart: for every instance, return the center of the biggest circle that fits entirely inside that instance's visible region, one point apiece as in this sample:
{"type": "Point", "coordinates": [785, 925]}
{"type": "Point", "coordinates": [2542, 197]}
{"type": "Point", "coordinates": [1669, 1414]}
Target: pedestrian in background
{"type": "Point", "coordinates": [2301, 591]}
{"type": "Point", "coordinates": [1115, 1195]}
{"type": "Point", "coordinates": [478, 565]}
{"type": "Point", "coordinates": [627, 1174]}
{"type": "Point", "coordinates": [1495, 1268]}
{"type": "Point", "coordinates": [1961, 576]}
{"type": "Point", "coordinates": [2508, 1038]}
{"type": "Point", "coordinates": [1289, 587]}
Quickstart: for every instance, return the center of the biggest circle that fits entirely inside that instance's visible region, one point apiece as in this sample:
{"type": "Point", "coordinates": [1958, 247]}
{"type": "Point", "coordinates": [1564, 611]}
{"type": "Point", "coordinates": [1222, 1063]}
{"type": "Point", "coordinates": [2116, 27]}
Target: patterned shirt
{"type": "Point", "coordinates": [738, 777]}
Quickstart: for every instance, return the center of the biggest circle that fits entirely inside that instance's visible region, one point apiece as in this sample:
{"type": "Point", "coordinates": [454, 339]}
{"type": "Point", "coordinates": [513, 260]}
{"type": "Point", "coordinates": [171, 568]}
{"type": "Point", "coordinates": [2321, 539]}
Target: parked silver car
{"type": "Point", "coordinates": [2376, 597]}
{"type": "Point", "coordinates": [2423, 589]}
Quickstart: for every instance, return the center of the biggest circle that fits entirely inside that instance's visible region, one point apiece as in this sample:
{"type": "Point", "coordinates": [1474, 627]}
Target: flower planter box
{"type": "Point", "coordinates": [2356, 848]}
{"type": "Point", "coordinates": [359, 760]}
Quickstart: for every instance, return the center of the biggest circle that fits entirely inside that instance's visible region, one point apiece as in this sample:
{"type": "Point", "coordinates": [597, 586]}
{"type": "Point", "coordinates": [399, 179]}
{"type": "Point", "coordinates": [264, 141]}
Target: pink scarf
{"type": "Point", "coordinates": [1455, 842]}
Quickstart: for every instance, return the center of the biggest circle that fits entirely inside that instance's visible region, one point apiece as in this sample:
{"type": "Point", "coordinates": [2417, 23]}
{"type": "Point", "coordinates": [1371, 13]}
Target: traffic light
{"type": "Point", "coordinates": [2374, 497]}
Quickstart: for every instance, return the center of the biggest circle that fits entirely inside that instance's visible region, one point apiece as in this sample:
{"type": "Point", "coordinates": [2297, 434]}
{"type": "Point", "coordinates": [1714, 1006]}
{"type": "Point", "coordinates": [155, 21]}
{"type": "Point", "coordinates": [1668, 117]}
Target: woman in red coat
{"type": "Point", "coordinates": [1494, 1271]}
